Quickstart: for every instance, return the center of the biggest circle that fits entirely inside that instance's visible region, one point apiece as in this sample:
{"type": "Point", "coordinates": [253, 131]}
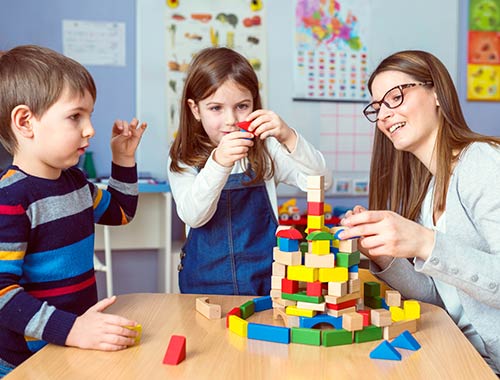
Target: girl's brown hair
{"type": "Point", "coordinates": [209, 69]}
{"type": "Point", "coordinates": [398, 180]}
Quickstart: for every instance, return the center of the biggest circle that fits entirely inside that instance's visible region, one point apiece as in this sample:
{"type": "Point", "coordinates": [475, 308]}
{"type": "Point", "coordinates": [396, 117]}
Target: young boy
{"type": "Point", "coordinates": [48, 208]}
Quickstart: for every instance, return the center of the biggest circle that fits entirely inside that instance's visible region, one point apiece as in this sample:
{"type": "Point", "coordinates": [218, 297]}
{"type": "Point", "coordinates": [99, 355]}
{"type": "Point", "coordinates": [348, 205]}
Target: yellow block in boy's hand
{"type": "Point", "coordinates": [137, 328]}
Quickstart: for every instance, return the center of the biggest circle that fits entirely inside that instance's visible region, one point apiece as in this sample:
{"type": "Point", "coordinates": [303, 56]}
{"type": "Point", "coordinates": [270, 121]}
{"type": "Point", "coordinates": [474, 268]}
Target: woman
{"type": "Point", "coordinates": [440, 182]}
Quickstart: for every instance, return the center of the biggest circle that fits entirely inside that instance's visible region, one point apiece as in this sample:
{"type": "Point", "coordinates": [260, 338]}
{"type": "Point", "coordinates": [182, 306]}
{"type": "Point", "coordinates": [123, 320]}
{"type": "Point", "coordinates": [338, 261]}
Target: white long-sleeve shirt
{"type": "Point", "coordinates": [197, 193]}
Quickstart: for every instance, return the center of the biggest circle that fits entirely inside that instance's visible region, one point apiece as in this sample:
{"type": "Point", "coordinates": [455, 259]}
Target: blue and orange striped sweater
{"type": "Point", "coordinates": [46, 252]}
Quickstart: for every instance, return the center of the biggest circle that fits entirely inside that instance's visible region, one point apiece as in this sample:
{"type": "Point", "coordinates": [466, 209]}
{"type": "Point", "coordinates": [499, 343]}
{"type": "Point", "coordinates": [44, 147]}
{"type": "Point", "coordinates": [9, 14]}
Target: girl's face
{"type": "Point", "coordinates": [220, 112]}
{"type": "Point", "coordinates": [411, 126]}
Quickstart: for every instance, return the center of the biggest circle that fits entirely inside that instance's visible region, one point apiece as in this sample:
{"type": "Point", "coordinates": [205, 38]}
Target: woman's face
{"type": "Point", "coordinates": [412, 126]}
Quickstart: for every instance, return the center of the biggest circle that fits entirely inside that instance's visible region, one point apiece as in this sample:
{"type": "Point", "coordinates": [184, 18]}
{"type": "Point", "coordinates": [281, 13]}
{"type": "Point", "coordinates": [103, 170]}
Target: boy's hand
{"type": "Point", "coordinates": [99, 331]}
{"type": "Point", "coordinates": [266, 123]}
{"type": "Point", "coordinates": [233, 147]}
{"type": "Point", "coordinates": [124, 141]}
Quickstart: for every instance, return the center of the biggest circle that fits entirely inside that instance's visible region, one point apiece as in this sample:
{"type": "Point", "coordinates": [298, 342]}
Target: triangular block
{"type": "Point", "coordinates": [385, 351]}
{"type": "Point", "coordinates": [407, 341]}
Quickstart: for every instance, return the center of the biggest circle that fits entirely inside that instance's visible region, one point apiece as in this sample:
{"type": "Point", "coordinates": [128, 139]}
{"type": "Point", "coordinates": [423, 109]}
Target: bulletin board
{"type": "Point", "coordinates": [483, 59]}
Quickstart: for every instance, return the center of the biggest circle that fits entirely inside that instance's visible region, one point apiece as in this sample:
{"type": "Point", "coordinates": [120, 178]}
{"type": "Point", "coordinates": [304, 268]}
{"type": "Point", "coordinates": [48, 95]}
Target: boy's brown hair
{"type": "Point", "coordinates": [36, 77]}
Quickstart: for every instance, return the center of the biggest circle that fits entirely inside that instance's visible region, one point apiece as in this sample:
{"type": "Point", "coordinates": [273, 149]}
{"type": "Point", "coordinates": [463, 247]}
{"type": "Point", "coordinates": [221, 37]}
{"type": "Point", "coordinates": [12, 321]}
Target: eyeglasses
{"type": "Point", "coordinates": [392, 99]}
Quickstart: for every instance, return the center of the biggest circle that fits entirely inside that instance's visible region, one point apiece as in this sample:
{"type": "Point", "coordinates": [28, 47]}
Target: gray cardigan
{"type": "Point", "coordinates": [467, 256]}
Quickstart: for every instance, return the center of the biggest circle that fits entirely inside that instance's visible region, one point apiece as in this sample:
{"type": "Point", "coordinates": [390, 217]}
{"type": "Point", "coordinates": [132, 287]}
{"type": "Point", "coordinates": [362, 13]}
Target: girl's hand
{"type": "Point", "coordinates": [385, 233]}
{"type": "Point", "coordinates": [233, 147]}
{"type": "Point", "coordinates": [125, 139]}
{"type": "Point", "coordinates": [99, 331]}
{"type": "Point", "coordinates": [266, 123]}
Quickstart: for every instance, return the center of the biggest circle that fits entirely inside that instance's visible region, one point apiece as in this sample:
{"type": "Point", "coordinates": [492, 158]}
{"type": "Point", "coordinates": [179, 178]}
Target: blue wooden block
{"type": "Point", "coordinates": [385, 351]}
{"type": "Point", "coordinates": [288, 245]}
{"type": "Point", "coordinates": [407, 341]}
{"type": "Point", "coordinates": [384, 304]}
{"type": "Point", "coordinates": [353, 268]}
{"type": "Point", "coordinates": [336, 235]}
{"type": "Point", "coordinates": [307, 322]}
{"type": "Point", "coordinates": [263, 303]}
{"type": "Point", "coordinates": [269, 333]}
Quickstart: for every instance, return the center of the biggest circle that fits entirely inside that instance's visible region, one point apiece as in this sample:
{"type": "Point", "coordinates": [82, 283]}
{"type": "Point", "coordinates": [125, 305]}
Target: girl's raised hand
{"type": "Point", "coordinates": [233, 147]}
{"type": "Point", "coordinates": [266, 123]}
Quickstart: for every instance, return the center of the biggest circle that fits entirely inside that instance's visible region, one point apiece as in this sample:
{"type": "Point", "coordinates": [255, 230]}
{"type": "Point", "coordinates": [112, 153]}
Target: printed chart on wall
{"type": "Point", "coordinates": [483, 68]}
{"type": "Point", "coordinates": [192, 25]}
{"type": "Point", "coordinates": [330, 58]}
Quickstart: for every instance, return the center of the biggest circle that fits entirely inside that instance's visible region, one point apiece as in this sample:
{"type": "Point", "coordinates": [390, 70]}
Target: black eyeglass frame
{"type": "Point", "coordinates": [380, 102]}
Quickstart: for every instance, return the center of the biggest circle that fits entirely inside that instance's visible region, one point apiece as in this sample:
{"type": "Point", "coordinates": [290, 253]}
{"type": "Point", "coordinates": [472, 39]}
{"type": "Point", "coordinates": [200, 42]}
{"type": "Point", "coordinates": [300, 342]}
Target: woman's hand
{"type": "Point", "coordinates": [385, 233]}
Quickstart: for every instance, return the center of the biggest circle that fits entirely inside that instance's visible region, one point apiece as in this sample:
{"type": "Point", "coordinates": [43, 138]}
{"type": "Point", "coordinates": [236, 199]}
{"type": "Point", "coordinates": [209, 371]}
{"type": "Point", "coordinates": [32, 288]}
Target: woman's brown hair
{"type": "Point", "coordinates": [209, 70]}
{"type": "Point", "coordinates": [398, 180]}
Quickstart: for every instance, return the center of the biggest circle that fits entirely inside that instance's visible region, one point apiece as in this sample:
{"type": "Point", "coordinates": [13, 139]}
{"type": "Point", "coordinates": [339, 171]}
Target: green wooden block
{"type": "Point", "coordinates": [347, 260]}
{"type": "Point", "coordinates": [302, 296]}
{"type": "Point", "coordinates": [368, 334]}
{"type": "Point", "coordinates": [247, 309]}
{"type": "Point", "coordinates": [336, 337]}
{"type": "Point", "coordinates": [306, 336]}
{"type": "Point", "coordinates": [374, 302]}
{"type": "Point", "coordinates": [371, 289]}
{"type": "Point", "coordinates": [304, 247]}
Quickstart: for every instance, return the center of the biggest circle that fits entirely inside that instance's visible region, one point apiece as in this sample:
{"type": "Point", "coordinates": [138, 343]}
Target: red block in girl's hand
{"type": "Point", "coordinates": [244, 125]}
{"type": "Point", "coordinates": [176, 351]}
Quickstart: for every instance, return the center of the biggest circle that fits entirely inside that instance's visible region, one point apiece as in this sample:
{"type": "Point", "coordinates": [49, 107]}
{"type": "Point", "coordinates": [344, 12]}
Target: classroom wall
{"type": "Point", "coordinates": [40, 22]}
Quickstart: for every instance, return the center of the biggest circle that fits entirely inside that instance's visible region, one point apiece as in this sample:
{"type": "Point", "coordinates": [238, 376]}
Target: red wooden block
{"type": "Point", "coordinates": [314, 289]}
{"type": "Point", "coordinates": [315, 208]}
{"type": "Point", "coordinates": [244, 125]}
{"type": "Point", "coordinates": [342, 305]}
{"type": "Point", "coordinates": [235, 311]}
{"type": "Point", "coordinates": [289, 286]}
{"type": "Point", "coordinates": [366, 317]}
{"type": "Point", "coordinates": [176, 351]}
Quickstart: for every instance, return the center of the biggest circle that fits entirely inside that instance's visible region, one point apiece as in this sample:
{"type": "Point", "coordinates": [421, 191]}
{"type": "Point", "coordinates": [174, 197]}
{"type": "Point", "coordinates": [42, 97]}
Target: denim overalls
{"type": "Point", "coordinates": [233, 252]}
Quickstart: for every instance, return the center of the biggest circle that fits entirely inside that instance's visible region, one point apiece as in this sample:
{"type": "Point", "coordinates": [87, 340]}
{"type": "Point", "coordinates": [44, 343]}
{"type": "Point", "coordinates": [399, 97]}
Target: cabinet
{"type": "Point", "coordinates": [151, 228]}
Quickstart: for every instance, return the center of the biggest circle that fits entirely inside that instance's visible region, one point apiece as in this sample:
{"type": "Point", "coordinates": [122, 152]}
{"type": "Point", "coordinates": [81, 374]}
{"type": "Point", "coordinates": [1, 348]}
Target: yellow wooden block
{"type": "Point", "coordinates": [337, 274]}
{"type": "Point", "coordinates": [320, 247]}
{"type": "Point", "coordinates": [238, 325]}
{"type": "Point", "coordinates": [302, 273]}
{"type": "Point", "coordinates": [397, 314]}
{"type": "Point", "coordinates": [411, 309]}
{"type": "Point", "coordinates": [315, 221]}
{"type": "Point", "coordinates": [137, 328]}
{"type": "Point", "coordinates": [293, 310]}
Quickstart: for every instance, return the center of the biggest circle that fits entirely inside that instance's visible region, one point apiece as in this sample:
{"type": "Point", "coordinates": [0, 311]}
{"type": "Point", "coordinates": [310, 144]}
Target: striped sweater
{"type": "Point", "coordinates": [46, 252]}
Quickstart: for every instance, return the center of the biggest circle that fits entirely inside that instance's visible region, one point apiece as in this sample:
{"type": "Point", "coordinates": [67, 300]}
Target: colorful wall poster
{"type": "Point", "coordinates": [330, 58]}
{"type": "Point", "coordinates": [192, 25]}
{"type": "Point", "coordinates": [483, 58]}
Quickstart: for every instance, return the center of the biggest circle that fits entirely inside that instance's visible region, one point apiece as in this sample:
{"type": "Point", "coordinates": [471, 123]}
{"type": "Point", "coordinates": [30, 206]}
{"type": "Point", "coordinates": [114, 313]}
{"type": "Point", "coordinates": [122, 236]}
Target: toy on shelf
{"type": "Point", "coordinates": [289, 214]}
{"type": "Point", "coordinates": [318, 283]}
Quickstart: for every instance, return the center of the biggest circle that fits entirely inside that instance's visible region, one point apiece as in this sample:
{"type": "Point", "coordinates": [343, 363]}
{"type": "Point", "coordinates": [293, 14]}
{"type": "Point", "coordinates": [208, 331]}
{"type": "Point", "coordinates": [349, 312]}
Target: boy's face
{"type": "Point", "coordinates": [61, 135]}
{"type": "Point", "coordinates": [220, 112]}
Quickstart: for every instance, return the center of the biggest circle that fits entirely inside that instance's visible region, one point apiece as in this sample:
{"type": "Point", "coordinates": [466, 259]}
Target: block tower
{"type": "Point", "coordinates": [319, 284]}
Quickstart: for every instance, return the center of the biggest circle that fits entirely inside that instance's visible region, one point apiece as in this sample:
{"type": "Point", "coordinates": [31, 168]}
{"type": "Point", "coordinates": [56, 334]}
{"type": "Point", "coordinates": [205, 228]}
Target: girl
{"type": "Point", "coordinates": [440, 182]}
{"type": "Point", "coordinates": [224, 180]}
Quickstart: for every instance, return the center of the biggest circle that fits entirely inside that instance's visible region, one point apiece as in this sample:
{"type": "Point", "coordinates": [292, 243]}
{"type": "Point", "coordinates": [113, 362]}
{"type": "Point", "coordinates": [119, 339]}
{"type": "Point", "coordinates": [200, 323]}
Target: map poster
{"type": "Point", "coordinates": [331, 52]}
